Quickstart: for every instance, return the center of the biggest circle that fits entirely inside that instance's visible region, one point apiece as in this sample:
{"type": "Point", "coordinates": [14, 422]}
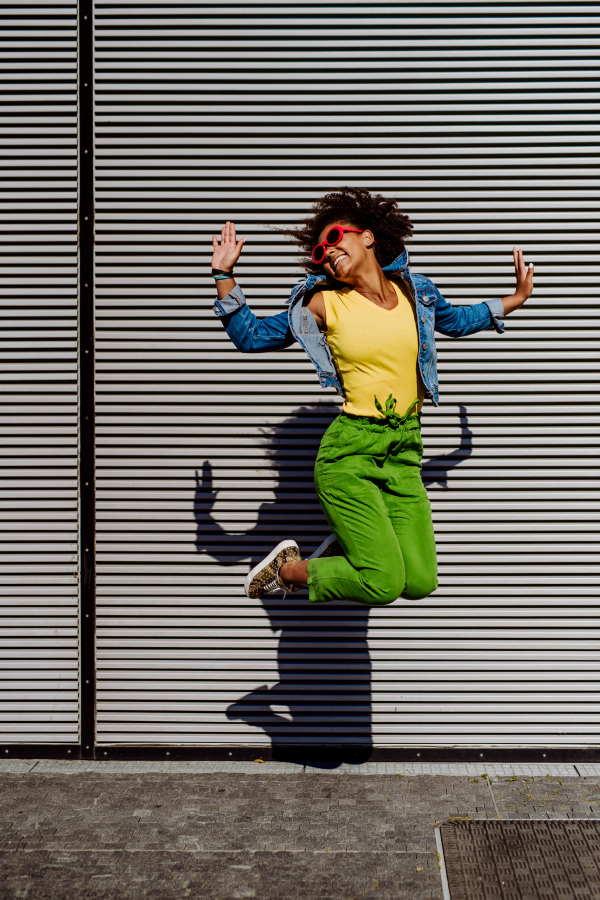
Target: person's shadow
{"type": "Point", "coordinates": [323, 696]}
{"type": "Point", "coordinates": [435, 470]}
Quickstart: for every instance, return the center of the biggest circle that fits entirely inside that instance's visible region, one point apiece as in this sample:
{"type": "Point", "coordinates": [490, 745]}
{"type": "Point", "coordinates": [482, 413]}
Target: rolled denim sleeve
{"type": "Point", "coordinates": [249, 333]}
{"type": "Point", "coordinates": [496, 308]}
{"type": "Point", "coordinates": [231, 303]}
{"type": "Point", "coordinates": [459, 321]}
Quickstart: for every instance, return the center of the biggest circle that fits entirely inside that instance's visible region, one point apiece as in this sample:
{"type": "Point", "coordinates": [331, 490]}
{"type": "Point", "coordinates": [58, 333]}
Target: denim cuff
{"type": "Point", "coordinates": [496, 308]}
{"type": "Point", "coordinates": [230, 303]}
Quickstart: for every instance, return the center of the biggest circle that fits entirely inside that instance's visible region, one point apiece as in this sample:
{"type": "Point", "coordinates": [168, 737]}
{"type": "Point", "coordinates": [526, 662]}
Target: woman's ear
{"type": "Point", "coordinates": [369, 238]}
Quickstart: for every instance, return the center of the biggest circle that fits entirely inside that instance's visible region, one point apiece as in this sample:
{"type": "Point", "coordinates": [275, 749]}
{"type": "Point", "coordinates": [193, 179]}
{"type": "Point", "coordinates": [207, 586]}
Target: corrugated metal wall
{"type": "Point", "coordinates": [38, 373]}
{"type": "Point", "coordinates": [483, 122]}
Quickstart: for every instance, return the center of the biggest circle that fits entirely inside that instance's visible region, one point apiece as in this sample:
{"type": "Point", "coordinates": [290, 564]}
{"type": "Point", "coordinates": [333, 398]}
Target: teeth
{"type": "Point", "coordinates": [337, 259]}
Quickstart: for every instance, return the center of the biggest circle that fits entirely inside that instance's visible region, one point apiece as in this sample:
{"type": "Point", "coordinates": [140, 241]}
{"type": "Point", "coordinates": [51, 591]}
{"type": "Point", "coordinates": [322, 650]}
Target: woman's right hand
{"type": "Point", "coordinates": [227, 253]}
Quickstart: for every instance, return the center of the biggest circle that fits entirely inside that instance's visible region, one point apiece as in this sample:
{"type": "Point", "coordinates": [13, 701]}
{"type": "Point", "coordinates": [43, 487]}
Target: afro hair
{"type": "Point", "coordinates": [359, 208]}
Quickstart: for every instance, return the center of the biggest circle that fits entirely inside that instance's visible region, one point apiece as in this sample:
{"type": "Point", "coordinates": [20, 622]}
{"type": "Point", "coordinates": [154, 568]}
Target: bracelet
{"type": "Point", "coordinates": [222, 277]}
{"type": "Point", "coordinates": [222, 272]}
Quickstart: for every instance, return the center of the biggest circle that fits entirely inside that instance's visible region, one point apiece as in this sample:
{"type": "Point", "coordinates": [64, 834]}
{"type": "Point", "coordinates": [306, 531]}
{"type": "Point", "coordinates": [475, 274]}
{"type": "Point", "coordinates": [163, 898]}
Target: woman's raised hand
{"type": "Point", "coordinates": [524, 275]}
{"type": "Point", "coordinates": [524, 284]}
{"type": "Point", "coordinates": [227, 253]}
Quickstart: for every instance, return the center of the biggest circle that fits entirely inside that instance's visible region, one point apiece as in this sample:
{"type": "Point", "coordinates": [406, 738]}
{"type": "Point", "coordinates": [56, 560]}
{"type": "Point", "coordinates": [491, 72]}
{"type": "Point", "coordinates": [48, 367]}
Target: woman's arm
{"type": "Point", "coordinates": [316, 304]}
{"type": "Point", "coordinates": [249, 333]}
{"type": "Point", "coordinates": [459, 321]}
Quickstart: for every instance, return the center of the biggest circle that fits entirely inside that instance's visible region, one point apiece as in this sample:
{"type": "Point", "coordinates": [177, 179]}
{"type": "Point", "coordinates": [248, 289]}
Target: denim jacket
{"type": "Point", "coordinates": [253, 335]}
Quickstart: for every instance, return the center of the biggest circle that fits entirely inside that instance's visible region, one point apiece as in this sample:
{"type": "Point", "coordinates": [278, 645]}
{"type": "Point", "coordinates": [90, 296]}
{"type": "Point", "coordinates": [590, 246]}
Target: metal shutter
{"type": "Point", "coordinates": [482, 121]}
{"type": "Point", "coordinates": [38, 374]}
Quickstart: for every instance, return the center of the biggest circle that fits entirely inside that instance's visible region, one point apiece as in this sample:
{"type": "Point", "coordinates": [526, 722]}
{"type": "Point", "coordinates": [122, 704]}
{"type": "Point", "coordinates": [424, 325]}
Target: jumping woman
{"type": "Point", "coordinates": [367, 324]}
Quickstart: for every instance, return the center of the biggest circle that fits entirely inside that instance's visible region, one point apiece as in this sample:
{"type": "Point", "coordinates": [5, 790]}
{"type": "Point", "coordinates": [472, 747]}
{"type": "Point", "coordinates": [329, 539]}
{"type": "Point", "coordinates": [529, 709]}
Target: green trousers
{"type": "Point", "coordinates": [368, 479]}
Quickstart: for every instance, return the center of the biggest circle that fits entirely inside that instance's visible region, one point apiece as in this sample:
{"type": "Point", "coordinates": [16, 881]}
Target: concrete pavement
{"type": "Point", "coordinates": [162, 830]}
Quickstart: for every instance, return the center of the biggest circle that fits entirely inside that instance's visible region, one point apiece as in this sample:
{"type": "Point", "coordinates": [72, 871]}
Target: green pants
{"type": "Point", "coordinates": [368, 479]}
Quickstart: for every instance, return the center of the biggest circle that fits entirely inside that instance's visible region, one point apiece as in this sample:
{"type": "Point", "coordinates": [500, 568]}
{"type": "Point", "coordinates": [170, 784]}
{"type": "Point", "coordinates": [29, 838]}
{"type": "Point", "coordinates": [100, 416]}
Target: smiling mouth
{"type": "Point", "coordinates": [336, 261]}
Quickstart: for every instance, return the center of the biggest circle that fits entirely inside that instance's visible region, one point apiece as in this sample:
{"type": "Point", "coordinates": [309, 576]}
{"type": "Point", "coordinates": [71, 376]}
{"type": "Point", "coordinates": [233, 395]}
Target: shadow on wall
{"type": "Point", "coordinates": [436, 469]}
{"type": "Point", "coordinates": [323, 697]}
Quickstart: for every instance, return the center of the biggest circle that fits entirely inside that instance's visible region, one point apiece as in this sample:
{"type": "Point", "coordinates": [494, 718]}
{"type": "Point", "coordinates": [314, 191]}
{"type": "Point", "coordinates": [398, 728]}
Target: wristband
{"type": "Point", "coordinates": [222, 272]}
{"type": "Point", "coordinates": [222, 277]}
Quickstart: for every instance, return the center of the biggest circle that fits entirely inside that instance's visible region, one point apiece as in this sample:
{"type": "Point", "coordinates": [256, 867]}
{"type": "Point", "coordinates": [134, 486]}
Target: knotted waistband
{"type": "Point", "coordinates": [389, 416]}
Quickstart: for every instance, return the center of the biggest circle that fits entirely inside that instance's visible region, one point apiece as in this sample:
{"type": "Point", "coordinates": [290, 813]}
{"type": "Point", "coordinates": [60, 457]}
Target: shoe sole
{"type": "Point", "coordinates": [322, 547]}
{"type": "Point", "coordinates": [265, 562]}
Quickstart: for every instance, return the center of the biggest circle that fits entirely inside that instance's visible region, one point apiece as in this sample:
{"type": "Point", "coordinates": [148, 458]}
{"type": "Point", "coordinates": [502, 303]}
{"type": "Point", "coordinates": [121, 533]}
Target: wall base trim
{"type": "Point", "coordinates": [304, 755]}
{"type": "Point", "coordinates": [40, 751]}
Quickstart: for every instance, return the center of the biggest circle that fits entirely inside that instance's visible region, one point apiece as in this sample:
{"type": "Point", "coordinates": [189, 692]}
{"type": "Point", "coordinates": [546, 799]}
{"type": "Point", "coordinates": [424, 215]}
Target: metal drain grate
{"type": "Point", "coordinates": [522, 859]}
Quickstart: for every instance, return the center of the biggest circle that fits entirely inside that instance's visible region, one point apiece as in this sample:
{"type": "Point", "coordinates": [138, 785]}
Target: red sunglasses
{"type": "Point", "coordinates": [333, 237]}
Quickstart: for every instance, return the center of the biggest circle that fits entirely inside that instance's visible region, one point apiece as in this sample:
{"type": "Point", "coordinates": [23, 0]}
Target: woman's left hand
{"type": "Point", "coordinates": [524, 283]}
{"type": "Point", "coordinates": [524, 275]}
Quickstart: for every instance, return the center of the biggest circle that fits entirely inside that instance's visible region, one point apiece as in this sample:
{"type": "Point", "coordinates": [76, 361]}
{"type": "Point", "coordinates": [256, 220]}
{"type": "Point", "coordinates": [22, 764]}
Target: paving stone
{"type": "Point", "coordinates": [541, 798]}
{"type": "Point", "coordinates": [134, 767]}
{"type": "Point", "coordinates": [98, 834]}
{"type": "Point", "coordinates": [49, 875]}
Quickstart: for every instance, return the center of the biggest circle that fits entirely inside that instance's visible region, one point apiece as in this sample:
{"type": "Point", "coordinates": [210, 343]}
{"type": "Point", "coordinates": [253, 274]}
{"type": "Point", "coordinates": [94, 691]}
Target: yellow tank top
{"type": "Point", "coordinates": [375, 351]}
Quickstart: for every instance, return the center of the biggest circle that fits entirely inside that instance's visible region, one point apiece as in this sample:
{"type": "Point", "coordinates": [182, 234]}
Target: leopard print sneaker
{"type": "Point", "coordinates": [330, 547]}
{"type": "Point", "coordinates": [264, 578]}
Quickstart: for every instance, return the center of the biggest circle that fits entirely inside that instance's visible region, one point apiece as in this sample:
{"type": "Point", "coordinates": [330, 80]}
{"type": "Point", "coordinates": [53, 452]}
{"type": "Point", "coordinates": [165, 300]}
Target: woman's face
{"type": "Point", "coordinates": [343, 261]}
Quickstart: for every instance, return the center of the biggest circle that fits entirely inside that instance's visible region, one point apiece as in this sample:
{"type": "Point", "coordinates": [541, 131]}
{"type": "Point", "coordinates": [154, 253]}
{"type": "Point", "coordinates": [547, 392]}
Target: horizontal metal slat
{"type": "Point", "coordinates": [269, 166]}
{"type": "Point", "coordinates": [38, 193]}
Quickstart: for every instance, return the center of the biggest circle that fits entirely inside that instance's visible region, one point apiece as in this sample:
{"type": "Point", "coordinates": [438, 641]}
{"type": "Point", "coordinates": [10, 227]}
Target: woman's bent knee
{"type": "Point", "coordinates": [420, 585]}
{"type": "Point", "coordinates": [386, 585]}
{"type": "Point", "coordinates": [384, 588]}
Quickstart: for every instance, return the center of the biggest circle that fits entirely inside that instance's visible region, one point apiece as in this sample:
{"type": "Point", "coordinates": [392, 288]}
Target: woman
{"type": "Point", "coordinates": [367, 323]}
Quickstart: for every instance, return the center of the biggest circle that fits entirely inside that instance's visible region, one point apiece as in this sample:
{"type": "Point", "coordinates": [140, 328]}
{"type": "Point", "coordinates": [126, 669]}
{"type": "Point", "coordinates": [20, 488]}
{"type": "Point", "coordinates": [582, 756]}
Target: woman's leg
{"type": "Point", "coordinates": [350, 489]}
{"type": "Point", "coordinates": [372, 570]}
{"type": "Point", "coordinates": [410, 514]}
{"type": "Point", "coordinates": [369, 485]}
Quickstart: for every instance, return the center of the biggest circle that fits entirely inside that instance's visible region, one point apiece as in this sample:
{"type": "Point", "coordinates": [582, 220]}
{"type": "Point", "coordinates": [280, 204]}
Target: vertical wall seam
{"type": "Point", "coordinates": [87, 486]}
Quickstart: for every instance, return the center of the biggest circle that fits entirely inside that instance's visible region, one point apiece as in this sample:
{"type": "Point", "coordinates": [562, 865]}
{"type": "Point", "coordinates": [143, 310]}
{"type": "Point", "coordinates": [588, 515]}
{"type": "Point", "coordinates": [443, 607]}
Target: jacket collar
{"type": "Point", "coordinates": [400, 264]}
